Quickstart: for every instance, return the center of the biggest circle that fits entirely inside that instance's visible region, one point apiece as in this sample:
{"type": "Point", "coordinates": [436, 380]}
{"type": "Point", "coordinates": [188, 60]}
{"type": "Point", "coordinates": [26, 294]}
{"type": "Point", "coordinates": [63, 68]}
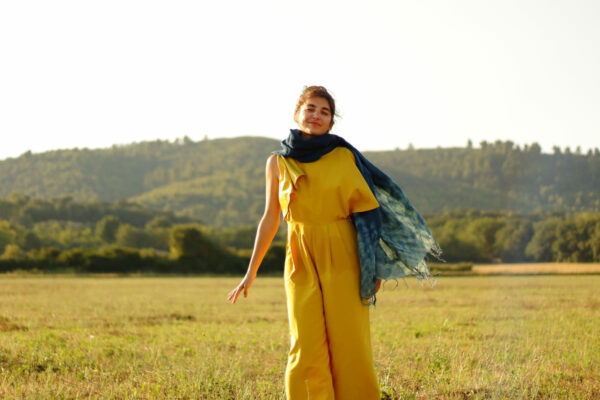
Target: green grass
{"type": "Point", "coordinates": [467, 338]}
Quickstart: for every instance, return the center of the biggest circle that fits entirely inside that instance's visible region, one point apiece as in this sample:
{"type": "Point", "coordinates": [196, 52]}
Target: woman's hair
{"type": "Point", "coordinates": [315, 91]}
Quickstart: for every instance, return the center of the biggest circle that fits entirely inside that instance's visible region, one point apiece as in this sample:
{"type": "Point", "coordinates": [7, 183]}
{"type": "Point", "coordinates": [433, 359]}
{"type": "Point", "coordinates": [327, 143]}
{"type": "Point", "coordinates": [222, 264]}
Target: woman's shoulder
{"type": "Point", "coordinates": [272, 163]}
{"type": "Point", "coordinates": [343, 152]}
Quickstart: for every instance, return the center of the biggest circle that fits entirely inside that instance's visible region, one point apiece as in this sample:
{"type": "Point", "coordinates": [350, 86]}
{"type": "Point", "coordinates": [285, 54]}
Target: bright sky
{"type": "Point", "coordinates": [431, 73]}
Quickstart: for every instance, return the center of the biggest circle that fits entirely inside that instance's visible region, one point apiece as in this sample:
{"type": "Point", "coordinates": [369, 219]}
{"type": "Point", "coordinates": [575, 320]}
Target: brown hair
{"type": "Point", "coordinates": [315, 91]}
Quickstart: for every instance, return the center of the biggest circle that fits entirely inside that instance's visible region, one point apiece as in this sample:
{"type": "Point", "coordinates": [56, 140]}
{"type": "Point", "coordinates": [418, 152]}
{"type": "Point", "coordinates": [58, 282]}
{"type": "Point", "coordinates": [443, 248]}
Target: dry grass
{"type": "Point", "coordinates": [478, 337]}
{"type": "Point", "coordinates": [538, 268]}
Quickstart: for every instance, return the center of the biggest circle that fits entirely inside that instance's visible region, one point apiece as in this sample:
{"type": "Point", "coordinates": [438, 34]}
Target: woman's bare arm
{"type": "Point", "coordinates": [267, 228]}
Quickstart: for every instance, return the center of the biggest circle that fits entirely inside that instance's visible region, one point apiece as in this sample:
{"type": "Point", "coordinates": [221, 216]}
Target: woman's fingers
{"type": "Point", "coordinates": [237, 293]}
{"type": "Point", "coordinates": [231, 294]}
{"type": "Point", "coordinates": [244, 285]}
{"type": "Point", "coordinates": [234, 294]}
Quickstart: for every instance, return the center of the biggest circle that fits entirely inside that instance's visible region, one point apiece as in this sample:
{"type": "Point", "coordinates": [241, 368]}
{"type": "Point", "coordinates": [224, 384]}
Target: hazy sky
{"type": "Point", "coordinates": [431, 73]}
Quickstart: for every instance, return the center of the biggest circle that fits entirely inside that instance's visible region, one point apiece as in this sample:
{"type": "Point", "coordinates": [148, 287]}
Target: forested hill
{"type": "Point", "coordinates": [221, 181]}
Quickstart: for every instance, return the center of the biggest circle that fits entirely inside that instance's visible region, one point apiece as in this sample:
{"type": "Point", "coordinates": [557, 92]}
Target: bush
{"type": "Point", "coordinates": [13, 252]}
{"type": "Point", "coordinates": [196, 253]}
{"type": "Point", "coordinates": [129, 236]}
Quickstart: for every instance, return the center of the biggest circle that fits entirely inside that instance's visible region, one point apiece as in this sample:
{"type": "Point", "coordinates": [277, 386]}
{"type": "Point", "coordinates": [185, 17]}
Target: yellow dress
{"type": "Point", "coordinates": [330, 354]}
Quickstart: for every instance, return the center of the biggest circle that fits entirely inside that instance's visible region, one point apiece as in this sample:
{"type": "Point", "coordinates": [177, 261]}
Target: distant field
{"type": "Point", "coordinates": [538, 268]}
{"type": "Point", "coordinates": [474, 337]}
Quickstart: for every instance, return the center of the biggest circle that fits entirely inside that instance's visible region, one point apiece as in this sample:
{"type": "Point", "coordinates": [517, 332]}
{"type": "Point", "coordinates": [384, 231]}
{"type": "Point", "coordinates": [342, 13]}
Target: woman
{"type": "Point", "coordinates": [328, 193]}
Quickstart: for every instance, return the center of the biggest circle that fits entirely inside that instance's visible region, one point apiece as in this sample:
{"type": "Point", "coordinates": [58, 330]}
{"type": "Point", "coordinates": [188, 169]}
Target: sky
{"type": "Point", "coordinates": [421, 73]}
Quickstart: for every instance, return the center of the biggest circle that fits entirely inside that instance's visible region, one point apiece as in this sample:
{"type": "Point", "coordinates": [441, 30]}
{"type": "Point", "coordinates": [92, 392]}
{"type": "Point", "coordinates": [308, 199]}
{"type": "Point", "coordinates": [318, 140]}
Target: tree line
{"type": "Point", "coordinates": [126, 237]}
{"type": "Point", "coordinates": [221, 182]}
{"type": "Point", "coordinates": [493, 236]}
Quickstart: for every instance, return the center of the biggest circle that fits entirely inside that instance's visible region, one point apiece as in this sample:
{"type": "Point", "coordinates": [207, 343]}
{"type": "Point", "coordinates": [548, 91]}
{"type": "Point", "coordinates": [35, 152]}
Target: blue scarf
{"type": "Point", "coordinates": [393, 239]}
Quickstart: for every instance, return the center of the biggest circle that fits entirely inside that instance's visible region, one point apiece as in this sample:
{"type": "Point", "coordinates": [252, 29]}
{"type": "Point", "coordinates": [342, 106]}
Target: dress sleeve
{"type": "Point", "coordinates": [289, 174]}
{"type": "Point", "coordinates": [356, 190]}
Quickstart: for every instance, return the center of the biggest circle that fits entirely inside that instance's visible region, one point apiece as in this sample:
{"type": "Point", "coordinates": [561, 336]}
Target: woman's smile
{"type": "Point", "coordinates": [314, 117]}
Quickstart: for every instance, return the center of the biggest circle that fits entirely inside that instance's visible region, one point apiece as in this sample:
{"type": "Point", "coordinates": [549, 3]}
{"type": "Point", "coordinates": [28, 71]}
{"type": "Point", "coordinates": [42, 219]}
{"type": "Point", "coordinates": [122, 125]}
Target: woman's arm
{"type": "Point", "coordinates": [267, 228]}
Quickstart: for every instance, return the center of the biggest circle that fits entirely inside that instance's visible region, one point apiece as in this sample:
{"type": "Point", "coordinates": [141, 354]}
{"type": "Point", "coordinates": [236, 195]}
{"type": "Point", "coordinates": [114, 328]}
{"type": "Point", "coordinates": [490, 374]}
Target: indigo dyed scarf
{"type": "Point", "coordinates": [393, 239]}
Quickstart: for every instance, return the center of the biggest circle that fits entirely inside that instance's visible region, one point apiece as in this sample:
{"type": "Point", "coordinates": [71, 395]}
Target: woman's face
{"type": "Point", "coordinates": [314, 117]}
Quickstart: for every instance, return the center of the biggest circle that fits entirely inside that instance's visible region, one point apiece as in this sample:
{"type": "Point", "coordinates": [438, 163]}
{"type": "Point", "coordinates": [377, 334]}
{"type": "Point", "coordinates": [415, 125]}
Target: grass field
{"type": "Point", "coordinates": [477, 337]}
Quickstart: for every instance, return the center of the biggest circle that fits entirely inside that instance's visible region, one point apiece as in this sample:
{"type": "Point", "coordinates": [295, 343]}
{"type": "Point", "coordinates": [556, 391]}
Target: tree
{"type": "Point", "coordinates": [130, 236]}
{"type": "Point", "coordinates": [107, 227]}
{"type": "Point", "coordinates": [7, 234]}
{"type": "Point", "coordinates": [452, 240]}
{"type": "Point", "coordinates": [12, 252]}
{"type": "Point", "coordinates": [545, 233]}
{"type": "Point", "coordinates": [159, 222]}
{"type": "Point", "coordinates": [482, 232]}
{"type": "Point", "coordinates": [189, 243]}
{"type": "Point", "coordinates": [556, 150]}
{"type": "Point", "coordinates": [512, 239]}
{"type": "Point", "coordinates": [535, 148]}
{"type": "Point", "coordinates": [30, 241]}
{"type": "Point", "coordinates": [595, 243]}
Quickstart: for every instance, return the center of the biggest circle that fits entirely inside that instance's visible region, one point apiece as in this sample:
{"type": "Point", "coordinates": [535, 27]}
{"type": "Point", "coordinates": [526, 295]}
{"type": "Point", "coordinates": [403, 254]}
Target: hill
{"type": "Point", "coordinates": [221, 181]}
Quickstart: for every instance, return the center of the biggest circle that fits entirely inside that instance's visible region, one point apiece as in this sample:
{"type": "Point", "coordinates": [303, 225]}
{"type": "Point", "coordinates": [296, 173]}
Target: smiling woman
{"type": "Point", "coordinates": [315, 112]}
{"type": "Point", "coordinates": [335, 203]}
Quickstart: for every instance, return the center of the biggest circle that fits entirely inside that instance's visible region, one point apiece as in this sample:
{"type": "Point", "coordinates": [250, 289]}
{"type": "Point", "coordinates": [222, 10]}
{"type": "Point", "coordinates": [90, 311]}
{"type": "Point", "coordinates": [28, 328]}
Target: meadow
{"type": "Point", "coordinates": [469, 337]}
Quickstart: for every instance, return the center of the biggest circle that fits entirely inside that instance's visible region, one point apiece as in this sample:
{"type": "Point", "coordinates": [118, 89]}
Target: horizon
{"type": "Point", "coordinates": [176, 140]}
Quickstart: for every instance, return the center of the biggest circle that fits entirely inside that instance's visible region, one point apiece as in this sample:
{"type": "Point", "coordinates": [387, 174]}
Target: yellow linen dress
{"type": "Point", "coordinates": [330, 354]}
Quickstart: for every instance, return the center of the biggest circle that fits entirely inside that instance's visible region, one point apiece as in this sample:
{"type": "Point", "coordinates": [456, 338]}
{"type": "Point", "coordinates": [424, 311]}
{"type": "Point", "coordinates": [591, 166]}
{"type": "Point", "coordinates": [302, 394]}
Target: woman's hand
{"type": "Point", "coordinates": [243, 286]}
